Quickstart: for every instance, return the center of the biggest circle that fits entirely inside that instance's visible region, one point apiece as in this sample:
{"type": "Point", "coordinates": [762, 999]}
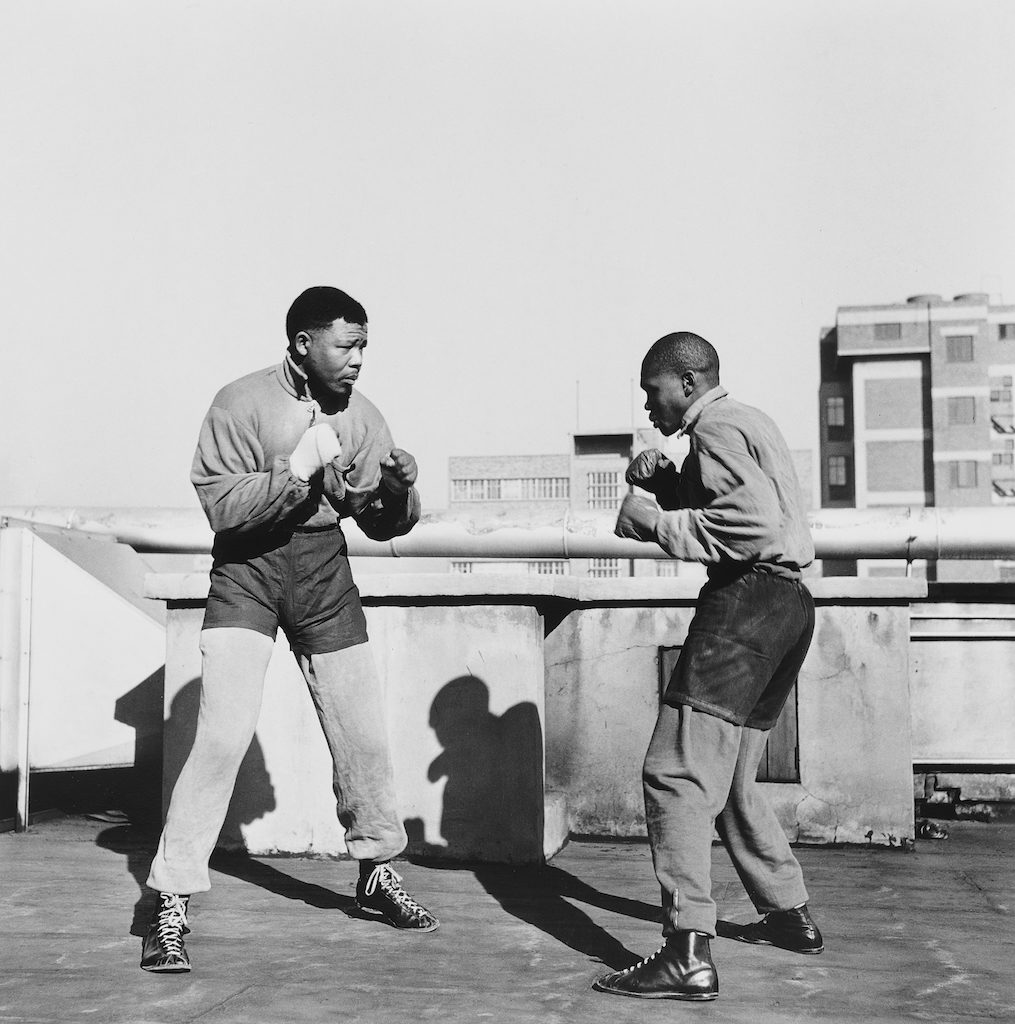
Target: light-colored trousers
{"type": "Point", "coordinates": [701, 771]}
{"type": "Point", "coordinates": [347, 693]}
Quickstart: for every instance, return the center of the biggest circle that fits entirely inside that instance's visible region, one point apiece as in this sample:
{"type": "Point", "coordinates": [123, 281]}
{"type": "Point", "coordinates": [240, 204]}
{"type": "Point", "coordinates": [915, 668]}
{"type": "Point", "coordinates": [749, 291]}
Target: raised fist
{"type": "Point", "coordinates": [314, 450]}
{"type": "Point", "coordinates": [398, 471]}
{"type": "Point", "coordinates": [652, 471]}
{"type": "Point", "coordinates": [637, 518]}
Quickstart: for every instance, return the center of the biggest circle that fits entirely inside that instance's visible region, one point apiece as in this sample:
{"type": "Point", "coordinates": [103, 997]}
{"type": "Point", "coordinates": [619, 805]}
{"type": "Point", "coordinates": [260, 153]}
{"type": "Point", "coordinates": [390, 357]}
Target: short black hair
{"type": "Point", "coordinates": [319, 306]}
{"type": "Point", "coordinates": [680, 351]}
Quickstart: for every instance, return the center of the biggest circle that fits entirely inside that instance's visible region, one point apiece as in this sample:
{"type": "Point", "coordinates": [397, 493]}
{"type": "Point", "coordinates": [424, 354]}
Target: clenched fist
{"type": "Point", "coordinates": [652, 471]}
{"type": "Point", "coordinates": [398, 471]}
{"type": "Point", "coordinates": [314, 450]}
{"type": "Point", "coordinates": [637, 518]}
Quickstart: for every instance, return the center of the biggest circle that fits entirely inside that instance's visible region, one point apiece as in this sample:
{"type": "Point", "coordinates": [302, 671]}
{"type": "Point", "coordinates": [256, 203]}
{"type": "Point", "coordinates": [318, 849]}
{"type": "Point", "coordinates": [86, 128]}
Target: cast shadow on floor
{"type": "Point", "coordinates": [137, 845]}
{"type": "Point", "coordinates": [252, 798]}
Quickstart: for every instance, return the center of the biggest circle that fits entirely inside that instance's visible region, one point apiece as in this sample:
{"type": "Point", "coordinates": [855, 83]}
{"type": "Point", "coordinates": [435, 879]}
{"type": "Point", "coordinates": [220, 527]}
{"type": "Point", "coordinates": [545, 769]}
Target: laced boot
{"type": "Point", "coordinates": [379, 891]}
{"type": "Point", "coordinates": [163, 949]}
{"type": "Point", "coordinates": [788, 929]}
{"type": "Point", "coordinates": [681, 969]}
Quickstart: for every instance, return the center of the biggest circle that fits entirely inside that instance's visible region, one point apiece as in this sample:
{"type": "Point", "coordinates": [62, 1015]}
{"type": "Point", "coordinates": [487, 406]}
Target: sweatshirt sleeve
{"type": "Point", "coordinates": [240, 494]}
{"type": "Point", "coordinates": [390, 515]}
{"type": "Point", "coordinates": [360, 493]}
{"type": "Point", "coordinates": [740, 517]}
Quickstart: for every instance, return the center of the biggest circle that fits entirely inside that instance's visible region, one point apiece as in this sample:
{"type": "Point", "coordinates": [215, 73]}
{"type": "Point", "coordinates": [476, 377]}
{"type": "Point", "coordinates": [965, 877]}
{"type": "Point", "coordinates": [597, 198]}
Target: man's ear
{"type": "Point", "coordinates": [301, 343]}
{"type": "Point", "coordinates": [688, 381]}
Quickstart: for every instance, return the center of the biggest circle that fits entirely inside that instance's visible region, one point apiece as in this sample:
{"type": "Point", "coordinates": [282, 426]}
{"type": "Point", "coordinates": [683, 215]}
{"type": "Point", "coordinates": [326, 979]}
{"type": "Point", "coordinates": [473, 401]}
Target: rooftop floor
{"type": "Point", "coordinates": [927, 935]}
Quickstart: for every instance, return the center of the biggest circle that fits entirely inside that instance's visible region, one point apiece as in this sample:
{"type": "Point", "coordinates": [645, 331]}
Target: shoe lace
{"type": "Point", "coordinates": [642, 963]}
{"type": "Point", "coordinates": [388, 881]}
{"type": "Point", "coordinates": [172, 920]}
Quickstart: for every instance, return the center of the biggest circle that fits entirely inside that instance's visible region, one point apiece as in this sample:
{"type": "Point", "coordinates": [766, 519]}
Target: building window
{"type": "Point", "coordinates": [1001, 395]}
{"type": "Point", "coordinates": [475, 490]}
{"type": "Point", "coordinates": [835, 411]}
{"type": "Point", "coordinates": [960, 348]}
{"type": "Point", "coordinates": [962, 473]}
{"type": "Point", "coordinates": [837, 476]}
{"type": "Point", "coordinates": [1006, 332]}
{"type": "Point", "coordinates": [669, 568]}
{"type": "Point", "coordinates": [547, 488]}
{"type": "Point", "coordinates": [533, 488]}
{"type": "Point", "coordinates": [887, 332]}
{"type": "Point", "coordinates": [1003, 458]}
{"type": "Point", "coordinates": [462, 568]}
{"type": "Point", "coordinates": [961, 410]}
{"type": "Point", "coordinates": [548, 567]}
{"type": "Point", "coordinates": [604, 490]}
{"type": "Point", "coordinates": [604, 568]}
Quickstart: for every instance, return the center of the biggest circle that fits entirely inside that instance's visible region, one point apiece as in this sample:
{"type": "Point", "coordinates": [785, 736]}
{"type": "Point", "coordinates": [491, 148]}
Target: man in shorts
{"type": "Point", "coordinates": [735, 506]}
{"type": "Point", "coordinates": [284, 454]}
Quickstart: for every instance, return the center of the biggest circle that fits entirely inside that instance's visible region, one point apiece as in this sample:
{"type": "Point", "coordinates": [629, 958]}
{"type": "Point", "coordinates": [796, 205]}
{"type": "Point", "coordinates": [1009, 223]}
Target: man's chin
{"type": "Point", "coordinates": [336, 399]}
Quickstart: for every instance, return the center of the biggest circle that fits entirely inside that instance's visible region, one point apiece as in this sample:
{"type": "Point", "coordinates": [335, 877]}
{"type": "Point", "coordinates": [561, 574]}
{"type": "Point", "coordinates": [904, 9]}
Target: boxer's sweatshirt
{"type": "Point", "coordinates": [241, 466]}
{"type": "Point", "coordinates": [738, 502]}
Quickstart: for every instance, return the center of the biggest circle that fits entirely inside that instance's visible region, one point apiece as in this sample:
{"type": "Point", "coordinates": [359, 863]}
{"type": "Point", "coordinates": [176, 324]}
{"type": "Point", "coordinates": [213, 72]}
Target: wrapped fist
{"type": "Point", "coordinates": [314, 450]}
{"type": "Point", "coordinates": [652, 471]}
{"type": "Point", "coordinates": [637, 519]}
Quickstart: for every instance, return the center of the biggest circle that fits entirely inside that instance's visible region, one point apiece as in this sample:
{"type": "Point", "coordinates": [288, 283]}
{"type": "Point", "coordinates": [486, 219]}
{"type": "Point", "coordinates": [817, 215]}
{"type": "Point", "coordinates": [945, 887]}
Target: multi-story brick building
{"type": "Point", "coordinates": [916, 409]}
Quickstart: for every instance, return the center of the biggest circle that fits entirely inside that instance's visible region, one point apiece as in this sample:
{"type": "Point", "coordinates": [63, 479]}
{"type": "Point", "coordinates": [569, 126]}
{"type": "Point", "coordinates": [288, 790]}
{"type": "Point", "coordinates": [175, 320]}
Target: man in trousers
{"type": "Point", "coordinates": [284, 454]}
{"type": "Point", "coordinates": [734, 505]}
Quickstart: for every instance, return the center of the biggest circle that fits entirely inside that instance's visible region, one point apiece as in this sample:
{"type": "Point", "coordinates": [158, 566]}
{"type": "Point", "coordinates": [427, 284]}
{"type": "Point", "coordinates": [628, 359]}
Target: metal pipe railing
{"type": "Point", "coordinates": [903, 533]}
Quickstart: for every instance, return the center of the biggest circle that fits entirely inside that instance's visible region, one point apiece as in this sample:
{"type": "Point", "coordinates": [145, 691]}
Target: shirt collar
{"type": "Point", "coordinates": [294, 380]}
{"type": "Point", "coordinates": [693, 414]}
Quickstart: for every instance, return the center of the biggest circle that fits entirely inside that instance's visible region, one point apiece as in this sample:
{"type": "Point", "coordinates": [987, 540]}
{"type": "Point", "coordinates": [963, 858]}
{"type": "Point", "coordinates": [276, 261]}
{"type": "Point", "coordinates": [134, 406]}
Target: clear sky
{"type": "Point", "coordinates": [523, 194]}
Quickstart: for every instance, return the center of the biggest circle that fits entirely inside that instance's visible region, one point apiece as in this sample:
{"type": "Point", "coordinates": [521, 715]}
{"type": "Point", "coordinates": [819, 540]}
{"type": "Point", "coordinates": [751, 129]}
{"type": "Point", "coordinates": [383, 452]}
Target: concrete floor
{"type": "Point", "coordinates": [926, 935]}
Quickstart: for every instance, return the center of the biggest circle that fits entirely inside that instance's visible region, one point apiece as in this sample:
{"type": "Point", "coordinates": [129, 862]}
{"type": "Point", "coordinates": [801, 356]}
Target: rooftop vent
{"type": "Point", "coordinates": [923, 300]}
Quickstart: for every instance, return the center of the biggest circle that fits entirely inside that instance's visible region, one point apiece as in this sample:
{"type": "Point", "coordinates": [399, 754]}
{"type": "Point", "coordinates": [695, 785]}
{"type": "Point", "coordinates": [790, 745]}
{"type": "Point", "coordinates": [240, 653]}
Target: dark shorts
{"type": "Point", "coordinates": [744, 649]}
{"type": "Point", "coordinates": [302, 583]}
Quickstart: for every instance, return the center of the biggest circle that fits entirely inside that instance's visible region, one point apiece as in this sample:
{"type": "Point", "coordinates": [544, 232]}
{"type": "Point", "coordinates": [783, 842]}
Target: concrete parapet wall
{"type": "Point", "coordinates": [485, 674]}
{"type": "Point", "coordinates": [602, 685]}
{"type": "Point", "coordinates": [963, 664]}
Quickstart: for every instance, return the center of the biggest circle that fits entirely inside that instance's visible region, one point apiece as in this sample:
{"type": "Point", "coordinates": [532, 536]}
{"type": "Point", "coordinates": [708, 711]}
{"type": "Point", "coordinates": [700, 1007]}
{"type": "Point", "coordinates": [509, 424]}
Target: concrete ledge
{"type": "Point", "coordinates": [636, 590]}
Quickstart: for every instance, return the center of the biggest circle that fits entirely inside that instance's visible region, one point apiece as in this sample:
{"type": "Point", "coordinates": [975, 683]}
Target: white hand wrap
{"type": "Point", "coordinates": [316, 448]}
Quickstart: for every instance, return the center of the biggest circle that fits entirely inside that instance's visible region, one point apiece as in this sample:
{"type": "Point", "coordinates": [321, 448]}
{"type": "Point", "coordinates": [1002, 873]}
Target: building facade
{"type": "Point", "coordinates": [916, 410]}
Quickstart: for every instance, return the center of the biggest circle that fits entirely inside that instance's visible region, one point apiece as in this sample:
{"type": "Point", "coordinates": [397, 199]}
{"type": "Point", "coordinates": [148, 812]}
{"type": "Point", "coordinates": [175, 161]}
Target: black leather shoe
{"type": "Point", "coordinates": [788, 929]}
{"type": "Point", "coordinates": [682, 969]}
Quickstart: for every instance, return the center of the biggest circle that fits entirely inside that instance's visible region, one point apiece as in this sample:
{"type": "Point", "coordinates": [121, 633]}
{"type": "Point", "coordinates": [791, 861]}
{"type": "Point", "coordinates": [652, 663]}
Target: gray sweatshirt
{"type": "Point", "coordinates": [241, 466]}
{"type": "Point", "coordinates": [738, 499]}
